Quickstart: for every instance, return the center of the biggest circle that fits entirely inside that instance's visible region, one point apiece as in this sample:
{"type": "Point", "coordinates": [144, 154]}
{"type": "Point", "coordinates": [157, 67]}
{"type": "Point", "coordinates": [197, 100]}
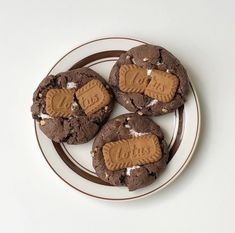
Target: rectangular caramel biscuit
{"type": "Point", "coordinates": [58, 102]}
{"type": "Point", "coordinates": [131, 152]}
{"type": "Point", "coordinates": [162, 86]}
{"type": "Point", "coordinates": [92, 96]}
{"type": "Point", "coordinates": [132, 78]}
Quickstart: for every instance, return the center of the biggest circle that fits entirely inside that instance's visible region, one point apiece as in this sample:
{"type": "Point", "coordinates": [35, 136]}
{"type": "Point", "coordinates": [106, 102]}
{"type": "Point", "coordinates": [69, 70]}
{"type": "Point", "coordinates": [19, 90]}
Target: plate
{"type": "Point", "coordinates": [73, 163]}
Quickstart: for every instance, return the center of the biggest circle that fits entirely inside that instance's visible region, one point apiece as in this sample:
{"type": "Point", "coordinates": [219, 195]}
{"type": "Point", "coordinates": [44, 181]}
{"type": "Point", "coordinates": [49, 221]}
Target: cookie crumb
{"type": "Point", "coordinates": [42, 122]}
{"type": "Point", "coordinates": [145, 59]}
{"type": "Point", "coordinates": [40, 95]}
{"type": "Point", "coordinates": [164, 110]}
{"type": "Point", "coordinates": [128, 118]}
{"type": "Point", "coordinates": [92, 154]}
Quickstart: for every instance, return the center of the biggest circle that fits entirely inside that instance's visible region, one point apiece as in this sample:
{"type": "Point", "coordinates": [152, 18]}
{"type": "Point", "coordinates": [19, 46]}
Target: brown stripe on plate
{"type": "Point", "coordinates": [75, 168]}
{"type": "Point", "coordinates": [97, 56]}
{"type": "Point", "coordinates": [179, 134]}
{"type": "Point", "coordinates": [74, 160]}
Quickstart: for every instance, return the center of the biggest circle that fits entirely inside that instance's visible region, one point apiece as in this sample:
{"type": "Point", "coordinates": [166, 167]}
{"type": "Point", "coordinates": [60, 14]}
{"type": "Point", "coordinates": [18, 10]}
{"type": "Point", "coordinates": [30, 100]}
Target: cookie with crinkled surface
{"type": "Point", "coordinates": [130, 150]}
{"type": "Point", "coordinates": [149, 80]}
{"type": "Point", "coordinates": [71, 106]}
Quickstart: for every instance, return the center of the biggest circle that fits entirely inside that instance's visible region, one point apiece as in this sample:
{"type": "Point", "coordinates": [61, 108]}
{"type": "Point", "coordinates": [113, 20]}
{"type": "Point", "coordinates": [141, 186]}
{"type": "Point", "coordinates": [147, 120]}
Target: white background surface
{"type": "Point", "coordinates": [35, 34]}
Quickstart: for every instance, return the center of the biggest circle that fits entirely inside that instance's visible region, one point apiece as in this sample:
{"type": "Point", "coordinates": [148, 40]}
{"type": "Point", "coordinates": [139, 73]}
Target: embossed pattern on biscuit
{"type": "Point", "coordinates": [92, 96]}
{"type": "Point", "coordinates": [162, 86]}
{"type": "Point", "coordinates": [58, 102]}
{"type": "Point", "coordinates": [131, 152]}
{"type": "Point", "coordinates": [132, 78]}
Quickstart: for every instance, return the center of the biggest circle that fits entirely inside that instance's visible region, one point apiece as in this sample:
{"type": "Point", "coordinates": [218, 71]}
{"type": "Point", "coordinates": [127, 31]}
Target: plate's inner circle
{"type": "Point", "coordinates": [78, 158]}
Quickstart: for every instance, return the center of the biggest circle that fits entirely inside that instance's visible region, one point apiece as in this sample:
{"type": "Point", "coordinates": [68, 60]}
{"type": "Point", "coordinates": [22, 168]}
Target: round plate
{"type": "Point", "coordinates": [73, 163]}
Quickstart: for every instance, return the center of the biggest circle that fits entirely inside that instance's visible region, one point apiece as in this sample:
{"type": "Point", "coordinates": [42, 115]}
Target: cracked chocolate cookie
{"type": "Point", "coordinates": [149, 80]}
{"type": "Point", "coordinates": [71, 106]}
{"type": "Point", "coordinates": [130, 150]}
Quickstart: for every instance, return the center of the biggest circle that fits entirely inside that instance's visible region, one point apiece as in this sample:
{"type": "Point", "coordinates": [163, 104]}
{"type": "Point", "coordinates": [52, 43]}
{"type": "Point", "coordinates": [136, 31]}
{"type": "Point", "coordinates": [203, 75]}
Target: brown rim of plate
{"type": "Point", "coordinates": [69, 163]}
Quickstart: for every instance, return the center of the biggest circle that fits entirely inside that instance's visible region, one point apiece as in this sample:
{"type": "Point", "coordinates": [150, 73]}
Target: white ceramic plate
{"type": "Point", "coordinates": [72, 163]}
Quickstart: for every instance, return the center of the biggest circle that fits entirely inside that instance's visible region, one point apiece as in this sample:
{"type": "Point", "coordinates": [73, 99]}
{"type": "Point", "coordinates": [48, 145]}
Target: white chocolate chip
{"type": "Point", "coordinates": [133, 61]}
{"type": "Point", "coordinates": [152, 102]}
{"type": "Point", "coordinates": [130, 169]}
{"type": "Point", "coordinates": [164, 110]}
{"type": "Point", "coordinates": [149, 71]}
{"type": "Point", "coordinates": [71, 85]}
{"type": "Point", "coordinates": [136, 134]}
{"type": "Point", "coordinates": [40, 95]}
{"type": "Point", "coordinates": [140, 113]}
{"type": "Point", "coordinates": [145, 59]}
{"type": "Point", "coordinates": [43, 116]}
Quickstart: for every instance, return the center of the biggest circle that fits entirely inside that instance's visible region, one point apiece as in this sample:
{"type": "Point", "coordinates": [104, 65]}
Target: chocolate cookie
{"type": "Point", "coordinates": [130, 150]}
{"type": "Point", "coordinates": [149, 80]}
{"type": "Point", "coordinates": [72, 106]}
